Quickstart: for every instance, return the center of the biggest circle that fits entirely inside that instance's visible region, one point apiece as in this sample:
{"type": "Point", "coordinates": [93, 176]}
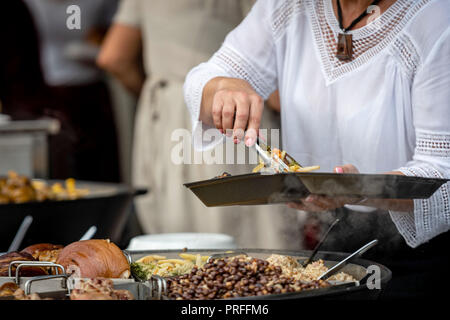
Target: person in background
{"type": "Point", "coordinates": [76, 91]}
{"type": "Point", "coordinates": [171, 37]}
{"type": "Point", "coordinates": [21, 80]}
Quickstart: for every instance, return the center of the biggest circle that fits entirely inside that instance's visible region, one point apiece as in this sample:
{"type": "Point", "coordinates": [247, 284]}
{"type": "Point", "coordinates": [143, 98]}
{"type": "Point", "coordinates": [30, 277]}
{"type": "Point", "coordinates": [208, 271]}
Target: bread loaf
{"type": "Point", "coordinates": [94, 259]}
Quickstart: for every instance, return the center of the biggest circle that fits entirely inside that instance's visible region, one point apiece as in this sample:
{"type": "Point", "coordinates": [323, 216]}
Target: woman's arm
{"type": "Point", "coordinates": [121, 55]}
{"type": "Point", "coordinates": [227, 92]}
{"type": "Point", "coordinates": [317, 203]}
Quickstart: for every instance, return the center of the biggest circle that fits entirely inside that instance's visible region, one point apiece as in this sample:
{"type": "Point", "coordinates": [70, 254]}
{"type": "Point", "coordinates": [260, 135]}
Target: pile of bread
{"type": "Point", "coordinates": [89, 259]}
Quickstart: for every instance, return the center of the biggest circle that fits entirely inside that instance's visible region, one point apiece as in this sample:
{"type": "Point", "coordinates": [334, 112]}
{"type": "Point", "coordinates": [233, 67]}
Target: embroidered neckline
{"type": "Point", "coordinates": [369, 40]}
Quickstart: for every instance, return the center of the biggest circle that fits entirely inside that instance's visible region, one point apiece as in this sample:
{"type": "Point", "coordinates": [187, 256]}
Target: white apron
{"type": "Point", "coordinates": [169, 206]}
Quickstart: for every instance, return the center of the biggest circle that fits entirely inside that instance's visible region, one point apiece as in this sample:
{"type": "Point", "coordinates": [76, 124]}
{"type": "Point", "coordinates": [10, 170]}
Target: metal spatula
{"type": "Point", "coordinates": [342, 264]}
{"type": "Point", "coordinates": [269, 161]}
{"type": "Point", "coordinates": [20, 235]}
{"type": "Point", "coordinates": [316, 249]}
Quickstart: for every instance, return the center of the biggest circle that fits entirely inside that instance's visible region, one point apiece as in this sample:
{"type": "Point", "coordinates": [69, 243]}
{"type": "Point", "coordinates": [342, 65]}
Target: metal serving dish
{"type": "Point", "coordinates": [63, 222]}
{"type": "Point", "coordinates": [59, 287]}
{"type": "Point", "coordinates": [357, 268]}
{"type": "Point", "coordinates": [257, 188]}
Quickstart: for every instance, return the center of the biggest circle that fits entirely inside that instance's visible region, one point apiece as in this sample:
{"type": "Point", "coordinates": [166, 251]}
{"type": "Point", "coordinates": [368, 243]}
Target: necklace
{"type": "Point", "coordinates": [345, 40]}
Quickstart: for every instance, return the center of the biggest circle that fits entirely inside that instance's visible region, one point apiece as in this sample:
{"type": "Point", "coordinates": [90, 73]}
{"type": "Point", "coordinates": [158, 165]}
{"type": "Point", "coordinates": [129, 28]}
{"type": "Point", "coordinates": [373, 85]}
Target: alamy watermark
{"type": "Point", "coordinates": [374, 279]}
{"type": "Point", "coordinates": [216, 148]}
{"type": "Point", "coordinates": [373, 22]}
{"type": "Point", "coordinates": [73, 21]}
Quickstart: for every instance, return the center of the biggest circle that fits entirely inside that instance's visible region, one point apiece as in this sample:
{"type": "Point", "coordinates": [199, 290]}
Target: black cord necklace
{"type": "Point", "coordinates": [345, 40]}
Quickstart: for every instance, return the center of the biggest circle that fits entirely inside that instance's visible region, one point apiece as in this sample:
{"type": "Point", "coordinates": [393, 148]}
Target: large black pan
{"type": "Point", "coordinates": [357, 268]}
{"type": "Point", "coordinates": [62, 222]}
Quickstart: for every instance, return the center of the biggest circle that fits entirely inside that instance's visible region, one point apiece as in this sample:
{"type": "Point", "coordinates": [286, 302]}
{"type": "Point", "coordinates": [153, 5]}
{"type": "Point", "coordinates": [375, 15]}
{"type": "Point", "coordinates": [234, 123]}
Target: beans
{"type": "Point", "coordinates": [235, 277]}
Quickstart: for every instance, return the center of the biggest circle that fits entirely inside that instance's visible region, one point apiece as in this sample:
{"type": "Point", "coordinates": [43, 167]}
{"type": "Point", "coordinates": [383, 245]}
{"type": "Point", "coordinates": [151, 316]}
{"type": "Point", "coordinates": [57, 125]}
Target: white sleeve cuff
{"type": "Point", "coordinates": [430, 217]}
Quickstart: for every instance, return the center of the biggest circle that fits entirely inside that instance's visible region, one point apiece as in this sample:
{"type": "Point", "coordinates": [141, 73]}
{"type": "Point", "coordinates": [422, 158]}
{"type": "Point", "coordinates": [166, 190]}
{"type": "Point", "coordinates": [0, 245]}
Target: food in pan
{"type": "Point", "coordinates": [20, 295]}
{"type": "Point", "coordinates": [20, 189]}
{"type": "Point", "coordinates": [278, 155]}
{"type": "Point", "coordinates": [27, 271]}
{"type": "Point", "coordinates": [94, 259]}
{"type": "Point", "coordinates": [236, 277]}
{"type": "Point", "coordinates": [11, 289]}
{"type": "Point", "coordinates": [147, 266]}
{"type": "Point", "coordinates": [44, 251]}
{"type": "Point", "coordinates": [90, 289]}
{"type": "Point", "coordinates": [292, 268]}
{"type": "Point", "coordinates": [8, 289]}
{"type": "Point", "coordinates": [98, 289]}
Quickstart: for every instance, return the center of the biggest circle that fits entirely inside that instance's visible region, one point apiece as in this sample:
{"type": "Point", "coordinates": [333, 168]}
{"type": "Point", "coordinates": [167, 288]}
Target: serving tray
{"type": "Point", "coordinates": [259, 189]}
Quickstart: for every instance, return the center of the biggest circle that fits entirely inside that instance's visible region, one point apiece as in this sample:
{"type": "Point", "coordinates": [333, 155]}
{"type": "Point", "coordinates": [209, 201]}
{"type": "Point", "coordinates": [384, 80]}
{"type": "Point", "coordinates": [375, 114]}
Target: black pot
{"type": "Point", "coordinates": [62, 222]}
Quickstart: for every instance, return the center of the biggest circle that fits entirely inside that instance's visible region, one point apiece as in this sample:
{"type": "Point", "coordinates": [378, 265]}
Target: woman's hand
{"type": "Point", "coordinates": [233, 107]}
{"type": "Point", "coordinates": [317, 203]}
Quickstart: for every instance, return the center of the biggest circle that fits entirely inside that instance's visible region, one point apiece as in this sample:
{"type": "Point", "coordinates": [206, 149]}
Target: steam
{"type": "Point", "coordinates": [355, 228]}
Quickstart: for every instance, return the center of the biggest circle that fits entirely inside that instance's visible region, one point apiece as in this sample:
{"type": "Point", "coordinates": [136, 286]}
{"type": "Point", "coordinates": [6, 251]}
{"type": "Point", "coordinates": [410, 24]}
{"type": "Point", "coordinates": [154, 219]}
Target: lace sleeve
{"type": "Point", "coordinates": [247, 53]}
{"type": "Point", "coordinates": [431, 217]}
{"type": "Point", "coordinates": [431, 108]}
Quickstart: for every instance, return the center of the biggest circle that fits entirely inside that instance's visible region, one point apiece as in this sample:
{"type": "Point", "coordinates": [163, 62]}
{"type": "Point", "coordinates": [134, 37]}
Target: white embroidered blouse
{"type": "Point", "coordinates": [388, 109]}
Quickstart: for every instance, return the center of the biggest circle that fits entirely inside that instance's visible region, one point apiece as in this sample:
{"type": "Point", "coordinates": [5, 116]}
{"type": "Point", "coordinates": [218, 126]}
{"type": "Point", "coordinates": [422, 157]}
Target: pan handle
{"type": "Point", "coordinates": [342, 264]}
{"type": "Point", "coordinates": [158, 287]}
{"type": "Point", "coordinates": [32, 264]}
{"type": "Point", "coordinates": [43, 278]}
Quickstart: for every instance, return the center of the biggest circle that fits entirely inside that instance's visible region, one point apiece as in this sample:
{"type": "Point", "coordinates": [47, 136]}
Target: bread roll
{"type": "Point", "coordinates": [94, 259]}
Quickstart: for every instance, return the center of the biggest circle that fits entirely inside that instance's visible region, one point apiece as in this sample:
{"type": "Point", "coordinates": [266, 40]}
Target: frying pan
{"type": "Point", "coordinates": [63, 222]}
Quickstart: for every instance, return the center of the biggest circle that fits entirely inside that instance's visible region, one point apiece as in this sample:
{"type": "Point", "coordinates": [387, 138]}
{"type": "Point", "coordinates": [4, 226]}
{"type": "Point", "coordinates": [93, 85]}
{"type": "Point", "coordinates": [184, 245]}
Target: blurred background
{"type": "Point", "coordinates": [92, 90]}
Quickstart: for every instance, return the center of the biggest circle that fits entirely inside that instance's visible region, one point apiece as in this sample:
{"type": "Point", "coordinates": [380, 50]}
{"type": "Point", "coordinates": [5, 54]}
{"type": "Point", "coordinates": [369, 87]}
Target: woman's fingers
{"type": "Point", "coordinates": [348, 168]}
{"type": "Point", "coordinates": [297, 206]}
{"type": "Point", "coordinates": [316, 203]}
{"type": "Point", "coordinates": [235, 111]}
{"type": "Point", "coordinates": [228, 111]}
{"type": "Point", "coordinates": [256, 111]}
{"type": "Point", "coordinates": [323, 203]}
{"type": "Point", "coordinates": [217, 112]}
{"type": "Point", "coordinates": [242, 115]}
{"type": "Point", "coordinates": [313, 206]}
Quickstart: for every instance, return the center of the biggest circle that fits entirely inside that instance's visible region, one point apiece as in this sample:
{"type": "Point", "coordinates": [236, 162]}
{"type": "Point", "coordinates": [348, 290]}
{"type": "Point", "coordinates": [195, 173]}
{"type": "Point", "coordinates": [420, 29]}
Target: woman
{"type": "Point", "coordinates": [173, 37]}
{"type": "Point", "coordinates": [361, 85]}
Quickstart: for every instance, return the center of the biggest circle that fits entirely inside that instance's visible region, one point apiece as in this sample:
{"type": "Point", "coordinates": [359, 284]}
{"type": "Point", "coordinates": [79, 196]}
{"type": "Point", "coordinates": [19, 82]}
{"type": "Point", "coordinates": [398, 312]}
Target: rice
{"type": "Point", "coordinates": [292, 268]}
